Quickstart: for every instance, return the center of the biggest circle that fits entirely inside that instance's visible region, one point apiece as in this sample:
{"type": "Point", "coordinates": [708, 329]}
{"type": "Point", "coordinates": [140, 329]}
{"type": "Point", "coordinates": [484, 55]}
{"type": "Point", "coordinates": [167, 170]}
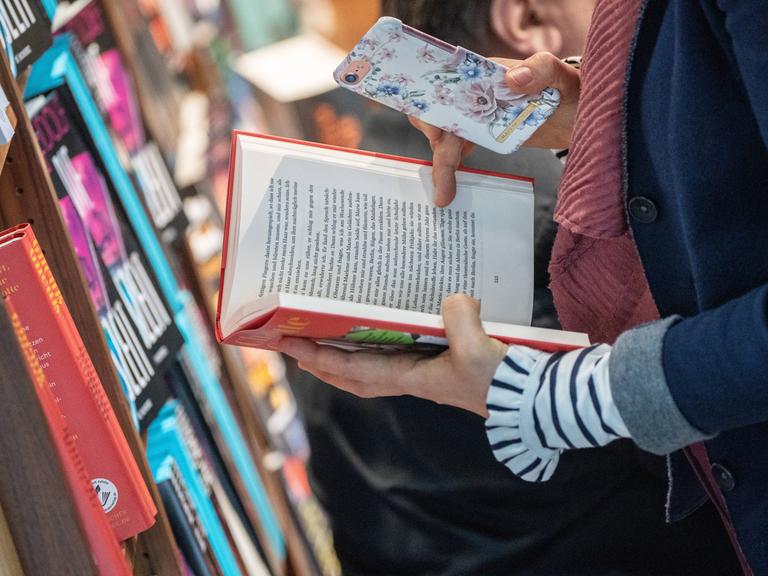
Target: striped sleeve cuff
{"type": "Point", "coordinates": [512, 382]}
{"type": "Point", "coordinates": [640, 391]}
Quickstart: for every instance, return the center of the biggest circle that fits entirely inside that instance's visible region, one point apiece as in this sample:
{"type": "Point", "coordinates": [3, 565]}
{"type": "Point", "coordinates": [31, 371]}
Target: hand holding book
{"type": "Point", "coordinates": [345, 247]}
{"type": "Point", "coordinates": [536, 404]}
{"type": "Point", "coordinates": [459, 377]}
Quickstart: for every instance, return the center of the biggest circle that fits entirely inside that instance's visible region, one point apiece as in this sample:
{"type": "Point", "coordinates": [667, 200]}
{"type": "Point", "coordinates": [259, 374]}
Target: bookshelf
{"type": "Point", "coordinates": [44, 530]}
{"type": "Point", "coordinates": [201, 74]}
{"type": "Point", "coordinates": [27, 195]}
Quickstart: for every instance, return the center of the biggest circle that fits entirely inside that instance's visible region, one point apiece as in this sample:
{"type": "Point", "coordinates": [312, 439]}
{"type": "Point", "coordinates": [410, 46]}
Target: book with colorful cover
{"type": "Point", "coordinates": [56, 68]}
{"type": "Point", "coordinates": [105, 549]}
{"type": "Point", "coordinates": [139, 327]}
{"type": "Point", "coordinates": [73, 382]}
{"type": "Point", "coordinates": [189, 532]}
{"type": "Point", "coordinates": [27, 25]}
{"type": "Point", "coordinates": [241, 535]}
{"type": "Point", "coordinates": [50, 8]}
{"type": "Point", "coordinates": [346, 247]}
{"type": "Point", "coordinates": [155, 80]}
{"type": "Point", "coordinates": [165, 440]}
{"type": "Point", "coordinates": [182, 387]}
{"type": "Point", "coordinates": [275, 402]}
{"type": "Point", "coordinates": [106, 74]}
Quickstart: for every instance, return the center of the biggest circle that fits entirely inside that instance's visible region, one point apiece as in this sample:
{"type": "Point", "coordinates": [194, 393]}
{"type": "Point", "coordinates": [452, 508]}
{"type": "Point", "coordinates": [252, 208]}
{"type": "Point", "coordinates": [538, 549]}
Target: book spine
{"type": "Point", "coordinates": [189, 531]}
{"type": "Point", "coordinates": [105, 549]}
{"type": "Point", "coordinates": [29, 29]}
{"type": "Point", "coordinates": [76, 388]}
{"type": "Point", "coordinates": [164, 440]}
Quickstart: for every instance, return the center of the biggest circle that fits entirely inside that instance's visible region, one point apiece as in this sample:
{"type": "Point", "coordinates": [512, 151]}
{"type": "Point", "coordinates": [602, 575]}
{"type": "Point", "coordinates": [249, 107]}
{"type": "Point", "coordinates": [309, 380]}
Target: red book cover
{"type": "Point", "coordinates": [342, 246]}
{"type": "Point", "coordinates": [105, 550]}
{"type": "Point", "coordinates": [72, 381]}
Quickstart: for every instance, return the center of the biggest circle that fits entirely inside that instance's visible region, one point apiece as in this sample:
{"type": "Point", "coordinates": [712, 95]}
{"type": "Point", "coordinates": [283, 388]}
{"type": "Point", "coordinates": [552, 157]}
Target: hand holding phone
{"type": "Point", "coordinates": [445, 86]}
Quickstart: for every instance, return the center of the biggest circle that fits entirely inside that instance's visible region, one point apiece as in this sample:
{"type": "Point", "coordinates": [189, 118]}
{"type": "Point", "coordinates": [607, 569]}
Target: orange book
{"type": "Point", "coordinates": [105, 550]}
{"type": "Point", "coordinates": [26, 281]}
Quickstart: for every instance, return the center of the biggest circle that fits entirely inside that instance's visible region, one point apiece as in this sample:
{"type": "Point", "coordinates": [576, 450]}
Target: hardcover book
{"type": "Point", "coordinates": [345, 247]}
{"type": "Point", "coordinates": [240, 538]}
{"type": "Point", "coordinates": [182, 388]}
{"type": "Point", "coordinates": [26, 24]}
{"type": "Point", "coordinates": [105, 550]}
{"type": "Point", "coordinates": [58, 68]}
{"type": "Point", "coordinates": [165, 440]}
{"type": "Point", "coordinates": [185, 522]}
{"type": "Point", "coordinates": [137, 322]}
{"type": "Point", "coordinates": [74, 384]}
{"type": "Point", "coordinates": [107, 76]}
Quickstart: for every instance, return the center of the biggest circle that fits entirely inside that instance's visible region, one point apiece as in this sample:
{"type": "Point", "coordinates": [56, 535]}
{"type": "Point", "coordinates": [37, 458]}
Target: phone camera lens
{"type": "Point", "coordinates": [350, 78]}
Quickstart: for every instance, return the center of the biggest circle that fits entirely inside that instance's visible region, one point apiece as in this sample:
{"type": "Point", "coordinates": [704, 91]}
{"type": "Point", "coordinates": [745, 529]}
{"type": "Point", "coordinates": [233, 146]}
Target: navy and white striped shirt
{"type": "Point", "coordinates": [540, 404]}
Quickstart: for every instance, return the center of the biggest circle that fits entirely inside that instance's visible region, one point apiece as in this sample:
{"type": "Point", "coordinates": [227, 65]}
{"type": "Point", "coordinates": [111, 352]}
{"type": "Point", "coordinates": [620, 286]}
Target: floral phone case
{"type": "Point", "coordinates": [443, 85]}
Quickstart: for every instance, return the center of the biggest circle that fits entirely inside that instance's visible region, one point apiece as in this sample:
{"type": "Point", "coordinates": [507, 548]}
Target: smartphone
{"type": "Point", "coordinates": [444, 85]}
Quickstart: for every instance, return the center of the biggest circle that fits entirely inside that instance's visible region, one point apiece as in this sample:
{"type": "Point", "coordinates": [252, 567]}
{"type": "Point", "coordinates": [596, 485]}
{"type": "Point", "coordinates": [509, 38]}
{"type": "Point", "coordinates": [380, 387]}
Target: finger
{"type": "Point", "coordinates": [467, 149]}
{"type": "Point", "coordinates": [508, 62]}
{"type": "Point", "coordinates": [448, 151]}
{"type": "Point", "coordinates": [431, 132]}
{"type": "Point", "coordinates": [461, 318]}
{"type": "Point", "coordinates": [447, 154]}
{"type": "Point", "coordinates": [299, 348]}
{"type": "Point", "coordinates": [543, 70]}
{"type": "Point", "coordinates": [378, 371]}
{"type": "Point", "coordinates": [348, 385]}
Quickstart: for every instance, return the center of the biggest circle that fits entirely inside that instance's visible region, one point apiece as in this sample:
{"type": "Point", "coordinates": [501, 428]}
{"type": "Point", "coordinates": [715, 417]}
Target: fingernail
{"type": "Point", "coordinates": [520, 76]}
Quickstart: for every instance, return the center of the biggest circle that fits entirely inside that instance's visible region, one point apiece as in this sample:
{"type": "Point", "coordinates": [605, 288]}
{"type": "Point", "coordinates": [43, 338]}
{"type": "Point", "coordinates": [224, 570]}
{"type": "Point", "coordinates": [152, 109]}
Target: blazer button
{"type": "Point", "coordinates": [642, 209]}
{"type": "Point", "coordinates": [723, 477]}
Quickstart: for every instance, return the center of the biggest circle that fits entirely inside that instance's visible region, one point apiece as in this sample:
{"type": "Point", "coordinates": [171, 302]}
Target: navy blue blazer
{"type": "Point", "coordinates": [696, 186]}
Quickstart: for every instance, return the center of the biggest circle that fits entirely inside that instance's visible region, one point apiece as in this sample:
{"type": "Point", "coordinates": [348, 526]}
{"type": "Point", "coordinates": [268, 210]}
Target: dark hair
{"type": "Point", "coordinates": [463, 22]}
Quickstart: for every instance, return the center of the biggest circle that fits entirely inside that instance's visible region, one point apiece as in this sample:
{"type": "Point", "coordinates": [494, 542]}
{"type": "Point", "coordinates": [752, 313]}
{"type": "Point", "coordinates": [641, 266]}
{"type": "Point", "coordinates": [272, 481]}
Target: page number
{"type": "Point", "coordinates": [496, 280]}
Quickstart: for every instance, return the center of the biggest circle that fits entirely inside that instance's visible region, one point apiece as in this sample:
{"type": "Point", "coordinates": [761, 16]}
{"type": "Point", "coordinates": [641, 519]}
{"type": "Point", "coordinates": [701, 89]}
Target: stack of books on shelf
{"type": "Point", "coordinates": [132, 442]}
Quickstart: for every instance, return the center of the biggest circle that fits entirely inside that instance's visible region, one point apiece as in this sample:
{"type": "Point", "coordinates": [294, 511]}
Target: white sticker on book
{"type": "Point", "coordinates": [106, 492]}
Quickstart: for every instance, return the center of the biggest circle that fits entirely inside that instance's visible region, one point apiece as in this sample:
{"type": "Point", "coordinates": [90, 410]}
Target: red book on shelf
{"type": "Point", "coordinates": [26, 280]}
{"type": "Point", "coordinates": [346, 247]}
{"type": "Point", "coordinates": [105, 550]}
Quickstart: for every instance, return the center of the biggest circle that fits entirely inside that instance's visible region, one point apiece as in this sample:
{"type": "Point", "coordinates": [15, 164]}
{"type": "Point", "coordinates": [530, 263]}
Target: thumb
{"type": "Point", "coordinates": [447, 153]}
{"type": "Point", "coordinates": [461, 318]}
{"type": "Point", "coordinates": [543, 70]}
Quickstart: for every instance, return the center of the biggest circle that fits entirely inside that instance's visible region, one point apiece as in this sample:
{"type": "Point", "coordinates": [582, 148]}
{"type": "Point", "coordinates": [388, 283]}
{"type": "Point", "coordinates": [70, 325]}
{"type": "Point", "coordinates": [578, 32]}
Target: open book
{"type": "Point", "coordinates": [346, 247]}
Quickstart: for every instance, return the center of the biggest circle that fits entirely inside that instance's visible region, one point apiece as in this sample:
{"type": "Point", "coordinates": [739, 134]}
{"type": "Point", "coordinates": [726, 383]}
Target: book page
{"type": "Point", "coordinates": [353, 245]}
{"type": "Point", "coordinates": [364, 231]}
